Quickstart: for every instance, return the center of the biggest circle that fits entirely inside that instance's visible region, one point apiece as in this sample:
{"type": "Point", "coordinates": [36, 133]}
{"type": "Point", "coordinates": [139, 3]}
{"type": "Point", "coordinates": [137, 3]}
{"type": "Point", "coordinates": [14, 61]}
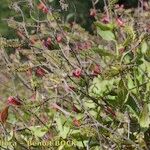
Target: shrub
{"type": "Point", "coordinates": [70, 85]}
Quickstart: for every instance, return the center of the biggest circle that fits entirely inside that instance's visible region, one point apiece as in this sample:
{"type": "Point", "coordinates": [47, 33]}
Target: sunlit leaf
{"type": "Point", "coordinates": [106, 35]}
{"type": "Point", "coordinates": [38, 130]}
{"type": "Point", "coordinates": [103, 26]}
{"type": "Point", "coordinates": [144, 120]}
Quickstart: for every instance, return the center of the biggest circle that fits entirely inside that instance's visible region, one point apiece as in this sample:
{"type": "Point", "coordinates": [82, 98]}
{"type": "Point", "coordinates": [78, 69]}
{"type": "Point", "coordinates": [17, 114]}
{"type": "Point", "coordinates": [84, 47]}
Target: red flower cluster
{"type": "Point", "coordinates": [40, 72]}
{"type": "Point", "coordinates": [83, 45]}
{"type": "Point", "coordinates": [121, 50]}
{"type": "Point", "coordinates": [96, 70]}
{"type": "Point", "coordinates": [13, 101]}
{"type": "Point", "coordinates": [47, 42]}
{"type": "Point", "coordinates": [75, 109]}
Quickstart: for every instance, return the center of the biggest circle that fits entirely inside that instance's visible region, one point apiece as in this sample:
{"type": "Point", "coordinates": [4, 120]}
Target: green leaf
{"type": "Point", "coordinates": [38, 130]}
{"type": "Point", "coordinates": [106, 35]}
{"type": "Point", "coordinates": [63, 130]}
{"type": "Point", "coordinates": [144, 47]}
{"type": "Point", "coordinates": [147, 55]}
{"type": "Point", "coordinates": [12, 119]}
{"type": "Point", "coordinates": [131, 83]}
{"type": "Point", "coordinates": [103, 26]}
{"type": "Point", "coordinates": [80, 143]}
{"type": "Point", "coordinates": [132, 105]}
{"type": "Point", "coordinates": [102, 52]}
{"type": "Point", "coordinates": [144, 120]}
{"type": "Point", "coordinates": [100, 87]}
{"type": "Point", "coordinates": [61, 147]}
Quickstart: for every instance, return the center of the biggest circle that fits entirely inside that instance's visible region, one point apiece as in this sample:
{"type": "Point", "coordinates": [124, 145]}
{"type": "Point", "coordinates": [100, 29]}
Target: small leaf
{"type": "Point", "coordinates": [106, 35]}
{"type": "Point", "coordinates": [132, 105]}
{"type": "Point", "coordinates": [38, 131]}
{"type": "Point", "coordinates": [104, 27]}
{"type": "Point", "coordinates": [144, 47]}
{"type": "Point", "coordinates": [144, 120]}
{"type": "Point", "coordinates": [147, 55]}
{"type": "Point", "coordinates": [102, 52]}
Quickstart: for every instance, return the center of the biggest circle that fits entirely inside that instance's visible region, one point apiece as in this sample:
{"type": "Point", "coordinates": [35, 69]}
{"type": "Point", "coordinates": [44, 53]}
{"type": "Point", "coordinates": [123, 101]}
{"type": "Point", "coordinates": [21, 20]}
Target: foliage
{"type": "Point", "coordinates": [77, 10]}
{"type": "Point", "coordinates": [60, 83]}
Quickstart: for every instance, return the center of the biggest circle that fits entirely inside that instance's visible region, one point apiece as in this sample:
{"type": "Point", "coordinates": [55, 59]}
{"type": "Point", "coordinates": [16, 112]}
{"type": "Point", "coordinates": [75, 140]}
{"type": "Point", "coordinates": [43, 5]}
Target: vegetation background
{"type": "Point", "coordinates": [78, 8]}
{"type": "Point", "coordinates": [75, 70]}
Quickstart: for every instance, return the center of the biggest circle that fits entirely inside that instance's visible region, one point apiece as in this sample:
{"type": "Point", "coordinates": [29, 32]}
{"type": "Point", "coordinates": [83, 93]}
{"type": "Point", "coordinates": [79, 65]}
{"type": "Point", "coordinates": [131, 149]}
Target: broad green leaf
{"type": "Point", "coordinates": [12, 118]}
{"type": "Point", "coordinates": [89, 104]}
{"type": "Point", "coordinates": [59, 123]}
{"type": "Point", "coordinates": [100, 87]}
{"type": "Point", "coordinates": [38, 130]}
{"type": "Point", "coordinates": [63, 130]}
{"type": "Point", "coordinates": [132, 105]}
{"type": "Point", "coordinates": [144, 47]}
{"type": "Point", "coordinates": [144, 120]}
{"type": "Point", "coordinates": [106, 35]}
{"type": "Point", "coordinates": [131, 83]}
{"type": "Point", "coordinates": [93, 113]}
{"type": "Point", "coordinates": [122, 95]}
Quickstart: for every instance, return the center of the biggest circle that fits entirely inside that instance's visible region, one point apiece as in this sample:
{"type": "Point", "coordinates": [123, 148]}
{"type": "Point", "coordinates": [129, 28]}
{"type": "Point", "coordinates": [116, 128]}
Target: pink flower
{"type": "Point", "coordinates": [96, 70]}
{"type": "Point", "coordinates": [105, 19]}
{"type": "Point", "coordinates": [76, 122]}
{"type": "Point", "coordinates": [33, 97]}
{"type": "Point", "coordinates": [121, 50]}
{"type": "Point", "coordinates": [40, 72]}
{"type": "Point", "coordinates": [47, 42]}
{"type": "Point", "coordinates": [120, 22]}
{"type": "Point", "coordinates": [13, 101]}
{"type": "Point", "coordinates": [77, 73]}
{"type": "Point", "coordinates": [120, 7]}
{"type": "Point", "coordinates": [117, 6]}
{"type": "Point", "coordinates": [45, 10]}
{"type": "Point", "coordinates": [93, 12]}
{"type": "Point", "coordinates": [59, 38]}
